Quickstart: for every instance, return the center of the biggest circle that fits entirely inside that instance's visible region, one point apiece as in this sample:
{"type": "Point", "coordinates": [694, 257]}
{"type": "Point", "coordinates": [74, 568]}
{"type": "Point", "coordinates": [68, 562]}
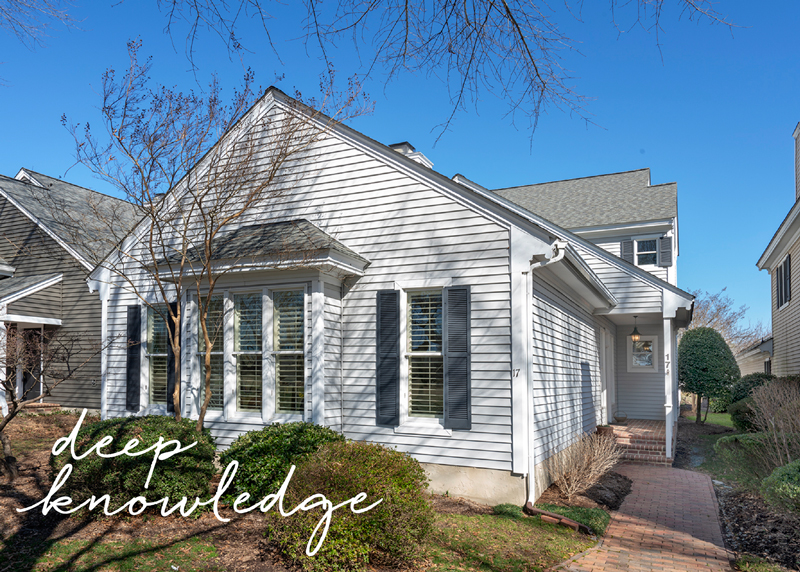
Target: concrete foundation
{"type": "Point", "coordinates": [487, 486]}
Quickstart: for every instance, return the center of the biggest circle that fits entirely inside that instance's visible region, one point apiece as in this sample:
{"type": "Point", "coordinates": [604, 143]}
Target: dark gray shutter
{"type": "Point", "coordinates": [626, 246]}
{"type": "Point", "coordinates": [787, 276]}
{"type": "Point", "coordinates": [173, 309]}
{"type": "Point", "coordinates": [457, 390]}
{"type": "Point", "coordinates": [387, 359]}
{"type": "Point", "coordinates": [779, 285]}
{"type": "Point", "coordinates": [665, 251]}
{"type": "Point", "coordinates": [133, 369]}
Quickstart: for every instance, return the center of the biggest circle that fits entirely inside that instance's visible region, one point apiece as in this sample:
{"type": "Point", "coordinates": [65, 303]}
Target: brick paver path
{"type": "Point", "coordinates": [669, 522]}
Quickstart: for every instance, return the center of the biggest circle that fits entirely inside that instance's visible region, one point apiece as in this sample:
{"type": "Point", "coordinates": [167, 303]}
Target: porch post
{"type": "Point", "coordinates": [669, 406]}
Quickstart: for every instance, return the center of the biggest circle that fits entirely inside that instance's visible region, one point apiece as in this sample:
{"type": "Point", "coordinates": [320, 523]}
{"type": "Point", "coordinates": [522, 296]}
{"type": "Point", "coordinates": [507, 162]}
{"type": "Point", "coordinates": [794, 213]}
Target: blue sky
{"type": "Point", "coordinates": [713, 110]}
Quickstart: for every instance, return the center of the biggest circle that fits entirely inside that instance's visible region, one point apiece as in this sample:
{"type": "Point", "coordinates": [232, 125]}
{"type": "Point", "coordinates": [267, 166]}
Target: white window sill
{"type": "Point", "coordinates": [428, 428]}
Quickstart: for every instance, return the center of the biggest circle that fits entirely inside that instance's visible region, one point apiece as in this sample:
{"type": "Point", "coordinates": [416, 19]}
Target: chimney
{"type": "Point", "coordinates": [407, 149]}
{"type": "Point", "coordinates": [796, 136]}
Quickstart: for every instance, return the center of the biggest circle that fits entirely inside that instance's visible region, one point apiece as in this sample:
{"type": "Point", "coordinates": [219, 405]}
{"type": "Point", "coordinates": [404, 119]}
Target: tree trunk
{"type": "Point", "coordinates": [698, 407]}
{"type": "Point", "coordinates": [8, 463]}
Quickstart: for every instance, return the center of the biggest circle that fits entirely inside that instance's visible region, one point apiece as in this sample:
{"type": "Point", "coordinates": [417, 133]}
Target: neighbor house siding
{"type": "Point", "coordinates": [566, 380]}
{"type": "Point", "coordinates": [24, 246]}
{"type": "Point", "coordinates": [786, 320]}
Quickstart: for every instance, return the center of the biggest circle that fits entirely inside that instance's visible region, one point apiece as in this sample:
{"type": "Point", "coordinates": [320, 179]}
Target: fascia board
{"type": "Point", "coordinates": [626, 229]}
{"type": "Point", "coordinates": [790, 227]}
{"type": "Point", "coordinates": [74, 253]}
{"type": "Point", "coordinates": [32, 289]}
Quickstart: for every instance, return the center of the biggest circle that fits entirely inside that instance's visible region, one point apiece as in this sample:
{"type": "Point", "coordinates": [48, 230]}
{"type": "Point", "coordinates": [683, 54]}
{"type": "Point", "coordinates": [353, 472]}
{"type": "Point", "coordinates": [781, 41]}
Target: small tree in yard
{"type": "Point", "coordinates": [52, 358]}
{"type": "Point", "coordinates": [706, 366]}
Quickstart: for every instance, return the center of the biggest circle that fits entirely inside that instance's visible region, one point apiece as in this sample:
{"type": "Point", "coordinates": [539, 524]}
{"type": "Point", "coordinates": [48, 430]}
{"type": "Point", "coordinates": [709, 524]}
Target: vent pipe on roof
{"type": "Point", "coordinates": [407, 149]}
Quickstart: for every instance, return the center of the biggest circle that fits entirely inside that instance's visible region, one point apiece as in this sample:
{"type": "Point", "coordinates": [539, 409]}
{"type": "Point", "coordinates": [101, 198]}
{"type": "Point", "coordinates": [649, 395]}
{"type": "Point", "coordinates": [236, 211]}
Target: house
{"type": "Point", "coordinates": [756, 358]}
{"type": "Point", "coordinates": [777, 260]}
{"type": "Point", "coordinates": [394, 304]}
{"type": "Point", "coordinates": [43, 271]}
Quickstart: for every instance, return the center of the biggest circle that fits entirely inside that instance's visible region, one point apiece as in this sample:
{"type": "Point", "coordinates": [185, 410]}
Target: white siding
{"type": "Point", "coordinates": [566, 368]}
{"type": "Point", "coordinates": [633, 294]}
{"type": "Point", "coordinates": [641, 395]}
{"type": "Point", "coordinates": [333, 357]}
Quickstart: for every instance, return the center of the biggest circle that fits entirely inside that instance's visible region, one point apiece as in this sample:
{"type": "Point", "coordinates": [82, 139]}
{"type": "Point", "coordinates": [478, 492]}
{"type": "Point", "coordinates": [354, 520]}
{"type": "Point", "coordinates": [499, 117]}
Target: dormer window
{"type": "Point", "coordinates": [646, 252]}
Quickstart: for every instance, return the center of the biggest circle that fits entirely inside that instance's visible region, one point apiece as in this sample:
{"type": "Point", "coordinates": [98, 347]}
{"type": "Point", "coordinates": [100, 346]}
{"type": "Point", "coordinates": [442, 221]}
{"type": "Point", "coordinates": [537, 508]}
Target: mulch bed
{"type": "Point", "coordinates": [607, 494]}
{"type": "Point", "coordinates": [750, 526]}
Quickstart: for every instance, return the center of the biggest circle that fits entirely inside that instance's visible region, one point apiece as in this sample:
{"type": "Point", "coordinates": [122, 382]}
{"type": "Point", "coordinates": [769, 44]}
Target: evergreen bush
{"type": "Point", "coordinates": [782, 487]}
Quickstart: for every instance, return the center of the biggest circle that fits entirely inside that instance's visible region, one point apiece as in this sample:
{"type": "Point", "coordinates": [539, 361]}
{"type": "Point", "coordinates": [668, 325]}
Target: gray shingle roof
{"type": "Point", "coordinates": [615, 198]}
{"type": "Point", "coordinates": [11, 286]}
{"type": "Point", "coordinates": [79, 217]}
{"type": "Point", "coordinates": [277, 239]}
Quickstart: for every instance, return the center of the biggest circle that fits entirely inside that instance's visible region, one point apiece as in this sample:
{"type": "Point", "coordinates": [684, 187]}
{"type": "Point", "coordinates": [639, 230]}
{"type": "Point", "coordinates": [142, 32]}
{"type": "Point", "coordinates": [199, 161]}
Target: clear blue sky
{"type": "Point", "coordinates": [714, 110]}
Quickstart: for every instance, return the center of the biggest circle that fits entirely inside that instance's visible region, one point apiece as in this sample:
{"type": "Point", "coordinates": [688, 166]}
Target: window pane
{"type": "Point", "coordinates": [642, 354]}
{"type": "Point", "coordinates": [157, 336]}
{"type": "Point", "coordinates": [646, 259]}
{"type": "Point", "coordinates": [426, 386]}
{"type": "Point", "coordinates": [288, 321]}
{"type": "Point", "coordinates": [248, 382]}
{"type": "Point", "coordinates": [643, 360]}
{"type": "Point", "coordinates": [247, 326]}
{"type": "Point", "coordinates": [158, 379]}
{"type": "Point", "coordinates": [290, 376]}
{"type": "Point", "coordinates": [214, 325]}
{"type": "Point", "coordinates": [425, 319]}
{"type": "Point", "coordinates": [646, 246]}
{"type": "Point", "coordinates": [217, 397]}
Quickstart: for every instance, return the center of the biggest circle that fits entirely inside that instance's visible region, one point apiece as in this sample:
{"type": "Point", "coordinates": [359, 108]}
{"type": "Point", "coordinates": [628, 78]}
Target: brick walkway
{"type": "Point", "coordinates": [669, 522]}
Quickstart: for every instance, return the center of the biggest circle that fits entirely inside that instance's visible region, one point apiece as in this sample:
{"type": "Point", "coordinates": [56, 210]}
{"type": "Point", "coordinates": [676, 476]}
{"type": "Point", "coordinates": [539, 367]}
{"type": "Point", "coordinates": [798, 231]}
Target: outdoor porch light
{"type": "Point", "coordinates": [635, 333]}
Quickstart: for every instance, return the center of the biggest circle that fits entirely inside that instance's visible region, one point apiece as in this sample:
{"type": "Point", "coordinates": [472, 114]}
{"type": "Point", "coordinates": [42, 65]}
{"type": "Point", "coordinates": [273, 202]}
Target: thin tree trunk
{"type": "Point", "coordinates": [698, 407]}
{"type": "Point", "coordinates": [8, 463]}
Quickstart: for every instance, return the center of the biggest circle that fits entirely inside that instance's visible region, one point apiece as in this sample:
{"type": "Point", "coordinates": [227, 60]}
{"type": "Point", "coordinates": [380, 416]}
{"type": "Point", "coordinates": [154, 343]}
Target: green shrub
{"type": "Point", "coordinates": [745, 386]}
{"type": "Point", "coordinates": [391, 533]}
{"type": "Point", "coordinates": [746, 456]}
{"type": "Point", "coordinates": [186, 474]}
{"type": "Point", "coordinates": [266, 455]}
{"type": "Point", "coordinates": [743, 415]}
{"type": "Point", "coordinates": [782, 487]}
{"type": "Point", "coordinates": [719, 404]}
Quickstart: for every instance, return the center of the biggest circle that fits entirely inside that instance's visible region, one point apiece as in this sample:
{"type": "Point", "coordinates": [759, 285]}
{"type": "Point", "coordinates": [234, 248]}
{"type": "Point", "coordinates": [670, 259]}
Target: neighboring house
{"type": "Point", "coordinates": [422, 312]}
{"type": "Point", "coordinates": [620, 212]}
{"type": "Point", "coordinates": [756, 358]}
{"type": "Point", "coordinates": [43, 271]}
{"type": "Point", "coordinates": [777, 260]}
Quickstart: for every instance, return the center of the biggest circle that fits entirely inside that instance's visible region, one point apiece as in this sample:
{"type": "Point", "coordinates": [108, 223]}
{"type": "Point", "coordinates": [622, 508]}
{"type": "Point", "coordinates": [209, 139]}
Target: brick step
{"type": "Point", "coordinates": [648, 446]}
{"type": "Point", "coordinates": [630, 437]}
{"type": "Point", "coordinates": [648, 459]}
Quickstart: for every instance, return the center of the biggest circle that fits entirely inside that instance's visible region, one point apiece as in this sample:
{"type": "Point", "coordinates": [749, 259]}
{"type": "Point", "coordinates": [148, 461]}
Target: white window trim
{"type": "Point", "coordinates": [638, 368]}
{"type": "Point", "coordinates": [427, 426]}
{"type": "Point", "coordinates": [144, 368]}
{"type": "Point", "coordinates": [636, 250]}
{"type": "Point", "coordinates": [777, 286]}
{"type": "Point", "coordinates": [268, 401]}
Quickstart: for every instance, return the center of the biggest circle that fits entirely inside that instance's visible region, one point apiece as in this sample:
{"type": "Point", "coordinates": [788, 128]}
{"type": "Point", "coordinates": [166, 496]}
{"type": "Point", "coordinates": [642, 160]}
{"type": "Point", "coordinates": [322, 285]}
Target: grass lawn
{"type": "Point", "coordinates": [82, 555]}
{"type": "Point", "coordinates": [719, 419]}
{"type": "Point", "coordinates": [501, 543]}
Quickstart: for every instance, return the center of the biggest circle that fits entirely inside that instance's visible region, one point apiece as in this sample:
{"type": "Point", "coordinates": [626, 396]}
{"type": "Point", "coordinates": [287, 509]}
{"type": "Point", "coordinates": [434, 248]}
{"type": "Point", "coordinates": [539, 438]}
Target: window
{"type": "Point", "coordinates": [214, 325]}
{"type": "Point", "coordinates": [247, 351]}
{"type": "Point", "coordinates": [288, 318]}
{"type": "Point", "coordinates": [157, 354]}
{"type": "Point", "coordinates": [646, 252]}
{"type": "Point", "coordinates": [768, 366]}
{"type": "Point", "coordinates": [425, 360]}
{"type": "Point", "coordinates": [643, 354]}
{"type": "Point", "coordinates": [422, 352]}
{"type": "Point", "coordinates": [783, 280]}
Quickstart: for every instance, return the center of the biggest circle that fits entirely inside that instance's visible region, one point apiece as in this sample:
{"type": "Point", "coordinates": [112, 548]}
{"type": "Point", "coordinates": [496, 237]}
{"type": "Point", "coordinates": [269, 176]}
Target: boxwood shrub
{"type": "Point", "coordinates": [782, 487]}
{"type": "Point", "coordinates": [742, 415]}
{"type": "Point", "coordinates": [186, 474]}
{"type": "Point", "coordinates": [266, 455]}
{"type": "Point", "coordinates": [745, 386]}
{"type": "Point", "coordinates": [389, 534]}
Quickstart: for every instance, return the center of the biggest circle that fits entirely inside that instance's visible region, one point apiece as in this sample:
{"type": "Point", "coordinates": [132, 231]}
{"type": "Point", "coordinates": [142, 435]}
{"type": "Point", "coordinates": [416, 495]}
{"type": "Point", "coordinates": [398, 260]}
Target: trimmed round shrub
{"type": "Point", "coordinates": [391, 533]}
{"type": "Point", "coordinates": [266, 455]}
{"type": "Point", "coordinates": [782, 487]}
{"type": "Point", "coordinates": [745, 386]}
{"type": "Point", "coordinates": [746, 457]}
{"type": "Point", "coordinates": [706, 366]}
{"type": "Point", "coordinates": [719, 404]}
{"type": "Point", "coordinates": [185, 474]}
{"type": "Point", "coordinates": [743, 415]}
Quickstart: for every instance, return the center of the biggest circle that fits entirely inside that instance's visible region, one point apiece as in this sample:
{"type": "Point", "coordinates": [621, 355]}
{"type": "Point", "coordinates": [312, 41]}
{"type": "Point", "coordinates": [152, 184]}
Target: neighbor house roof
{"type": "Point", "coordinates": [79, 219]}
{"type": "Point", "coordinates": [616, 198]}
{"type": "Point", "coordinates": [15, 288]}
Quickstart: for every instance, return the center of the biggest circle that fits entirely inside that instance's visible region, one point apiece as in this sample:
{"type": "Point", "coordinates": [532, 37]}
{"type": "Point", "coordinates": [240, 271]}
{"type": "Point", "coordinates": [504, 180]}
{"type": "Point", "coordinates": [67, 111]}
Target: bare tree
{"type": "Point", "coordinates": [47, 359]}
{"type": "Point", "coordinates": [29, 20]}
{"type": "Point", "coordinates": [508, 48]}
{"type": "Point", "coordinates": [718, 311]}
{"type": "Point", "coordinates": [196, 172]}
